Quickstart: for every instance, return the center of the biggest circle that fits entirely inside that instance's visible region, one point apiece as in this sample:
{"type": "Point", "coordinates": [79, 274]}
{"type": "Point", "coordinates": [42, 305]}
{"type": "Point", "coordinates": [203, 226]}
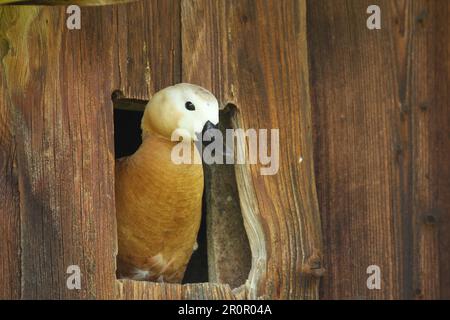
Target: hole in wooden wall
{"type": "Point", "coordinates": [223, 254]}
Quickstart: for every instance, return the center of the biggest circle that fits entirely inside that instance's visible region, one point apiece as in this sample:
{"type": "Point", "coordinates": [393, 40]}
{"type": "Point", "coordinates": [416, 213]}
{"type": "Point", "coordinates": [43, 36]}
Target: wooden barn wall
{"type": "Point", "coordinates": [379, 102]}
{"type": "Point", "coordinates": [58, 171]}
{"type": "Point", "coordinates": [9, 197]}
{"type": "Point", "coordinates": [56, 86]}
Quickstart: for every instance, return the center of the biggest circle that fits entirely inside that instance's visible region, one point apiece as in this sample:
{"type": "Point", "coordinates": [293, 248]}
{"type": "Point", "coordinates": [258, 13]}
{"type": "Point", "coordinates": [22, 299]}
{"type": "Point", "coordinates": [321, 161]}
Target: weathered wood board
{"type": "Point", "coordinates": [378, 100]}
{"type": "Point", "coordinates": [58, 85]}
{"type": "Point", "coordinates": [382, 146]}
{"type": "Point", "coordinates": [64, 2]}
{"type": "Point", "coordinates": [58, 93]}
{"type": "Point", "coordinates": [9, 197]}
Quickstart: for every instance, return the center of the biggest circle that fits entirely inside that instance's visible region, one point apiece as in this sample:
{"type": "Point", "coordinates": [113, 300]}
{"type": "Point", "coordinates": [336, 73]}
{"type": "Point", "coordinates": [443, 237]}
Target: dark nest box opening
{"type": "Point", "coordinates": [223, 254]}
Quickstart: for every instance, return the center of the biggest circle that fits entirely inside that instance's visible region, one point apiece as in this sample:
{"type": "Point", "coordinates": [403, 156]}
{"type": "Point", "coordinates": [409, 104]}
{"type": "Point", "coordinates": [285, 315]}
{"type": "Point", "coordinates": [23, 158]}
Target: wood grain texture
{"type": "Point", "coordinates": [62, 121]}
{"type": "Point", "coordinates": [60, 83]}
{"type": "Point", "coordinates": [429, 97]}
{"type": "Point", "coordinates": [381, 134]}
{"type": "Point", "coordinates": [382, 142]}
{"type": "Point", "coordinates": [60, 105]}
{"type": "Point", "coordinates": [148, 50]}
{"type": "Point", "coordinates": [254, 54]}
{"type": "Point", "coordinates": [139, 290]}
{"type": "Point", "coordinates": [9, 192]}
{"type": "Point", "coordinates": [64, 2]}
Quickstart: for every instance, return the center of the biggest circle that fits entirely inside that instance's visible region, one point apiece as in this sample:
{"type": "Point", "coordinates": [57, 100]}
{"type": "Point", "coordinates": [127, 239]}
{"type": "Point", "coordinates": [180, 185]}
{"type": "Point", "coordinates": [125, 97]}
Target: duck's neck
{"type": "Point", "coordinates": [156, 148]}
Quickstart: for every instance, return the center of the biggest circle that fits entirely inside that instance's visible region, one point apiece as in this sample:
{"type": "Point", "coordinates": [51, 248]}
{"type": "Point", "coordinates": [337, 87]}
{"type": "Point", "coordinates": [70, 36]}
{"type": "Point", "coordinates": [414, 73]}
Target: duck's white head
{"type": "Point", "coordinates": [183, 110]}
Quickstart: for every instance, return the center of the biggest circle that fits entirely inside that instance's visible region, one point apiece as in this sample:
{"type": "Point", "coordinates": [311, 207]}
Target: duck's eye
{"type": "Point", "coordinates": [190, 106]}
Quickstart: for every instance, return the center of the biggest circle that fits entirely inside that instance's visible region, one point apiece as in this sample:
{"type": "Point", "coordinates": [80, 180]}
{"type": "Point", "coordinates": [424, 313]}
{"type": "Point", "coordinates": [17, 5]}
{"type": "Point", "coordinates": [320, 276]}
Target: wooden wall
{"type": "Point", "coordinates": [380, 103]}
{"type": "Point", "coordinates": [371, 106]}
{"type": "Point", "coordinates": [56, 100]}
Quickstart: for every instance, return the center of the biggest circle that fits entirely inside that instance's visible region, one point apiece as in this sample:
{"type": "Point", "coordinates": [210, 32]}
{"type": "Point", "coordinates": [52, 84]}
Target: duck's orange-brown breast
{"type": "Point", "coordinates": [158, 208]}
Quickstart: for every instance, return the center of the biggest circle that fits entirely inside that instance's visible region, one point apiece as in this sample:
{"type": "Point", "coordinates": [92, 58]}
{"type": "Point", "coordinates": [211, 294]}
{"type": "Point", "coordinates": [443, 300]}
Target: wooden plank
{"type": "Point", "coordinates": [376, 145]}
{"type": "Point", "coordinates": [64, 2]}
{"type": "Point", "coordinates": [148, 48]}
{"type": "Point", "coordinates": [254, 54]}
{"type": "Point", "coordinates": [59, 82]}
{"type": "Point", "coordinates": [356, 112]}
{"type": "Point", "coordinates": [441, 151]}
{"type": "Point", "coordinates": [430, 147]}
{"type": "Point", "coordinates": [9, 191]}
{"type": "Point", "coordinates": [140, 290]}
{"type": "Point", "coordinates": [63, 119]}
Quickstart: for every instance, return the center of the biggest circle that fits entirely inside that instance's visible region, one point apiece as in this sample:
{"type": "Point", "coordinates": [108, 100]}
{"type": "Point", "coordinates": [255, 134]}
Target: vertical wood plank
{"type": "Point", "coordinates": [9, 189]}
{"type": "Point", "coordinates": [9, 212]}
{"type": "Point", "coordinates": [254, 54]}
{"type": "Point", "coordinates": [65, 2]}
{"type": "Point", "coordinates": [381, 134]}
{"type": "Point", "coordinates": [430, 136]}
{"type": "Point", "coordinates": [59, 82]}
{"type": "Point", "coordinates": [149, 47]}
{"type": "Point", "coordinates": [356, 111]}
{"type": "Point", "coordinates": [441, 141]}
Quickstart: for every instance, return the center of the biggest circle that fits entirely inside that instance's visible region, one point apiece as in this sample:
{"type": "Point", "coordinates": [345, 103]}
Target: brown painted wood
{"type": "Point", "coordinates": [381, 140]}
